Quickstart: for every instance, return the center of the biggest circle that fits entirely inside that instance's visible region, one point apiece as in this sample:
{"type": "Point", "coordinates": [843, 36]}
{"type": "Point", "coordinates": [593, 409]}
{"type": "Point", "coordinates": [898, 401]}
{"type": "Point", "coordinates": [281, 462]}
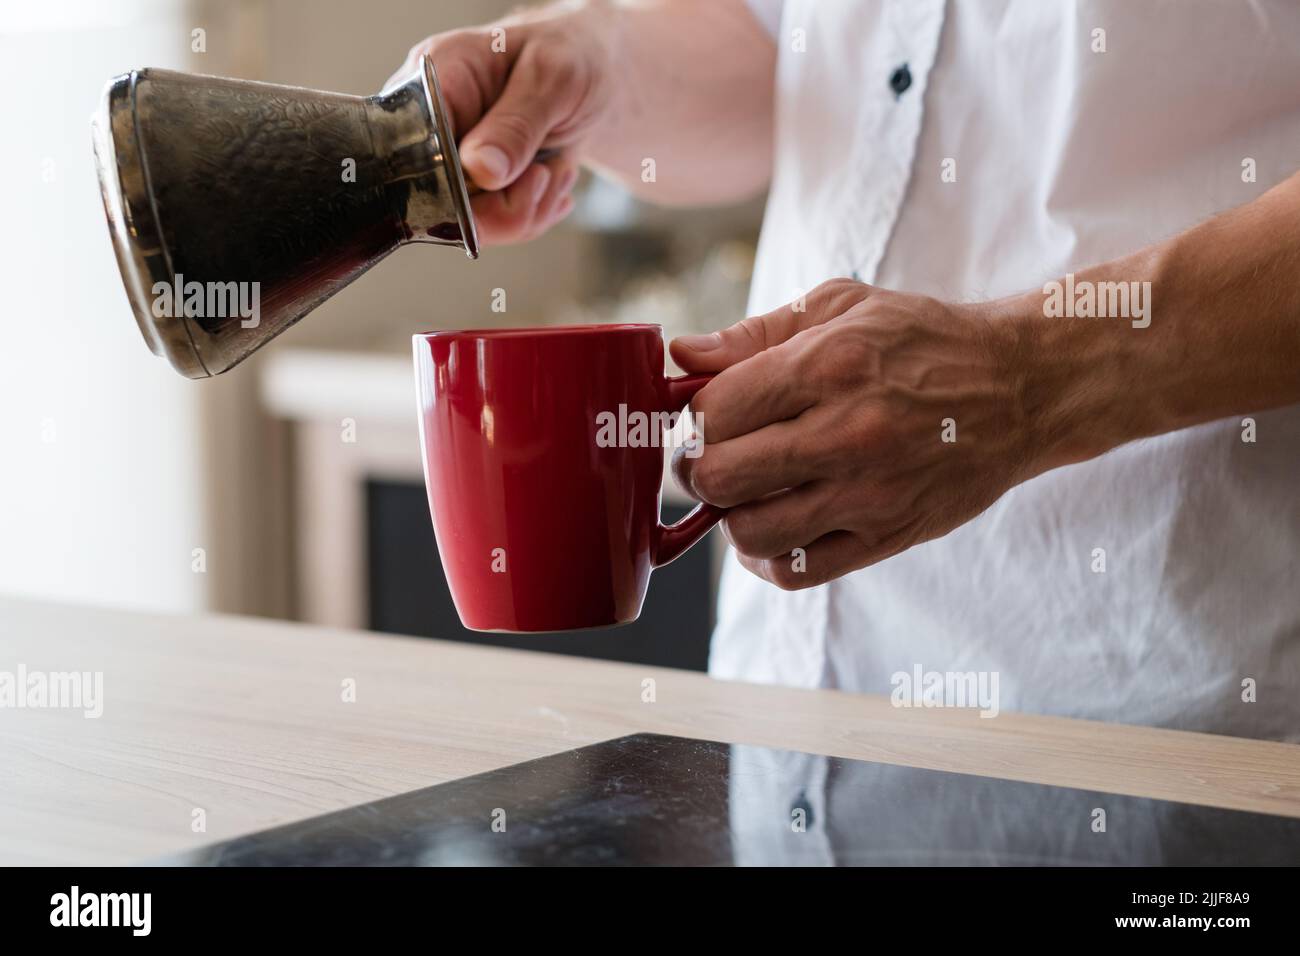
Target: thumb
{"type": "Point", "coordinates": [503, 143]}
{"type": "Point", "coordinates": [718, 350]}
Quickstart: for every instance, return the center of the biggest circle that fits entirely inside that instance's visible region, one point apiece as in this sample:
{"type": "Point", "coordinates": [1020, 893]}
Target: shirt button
{"type": "Point", "coordinates": [900, 80]}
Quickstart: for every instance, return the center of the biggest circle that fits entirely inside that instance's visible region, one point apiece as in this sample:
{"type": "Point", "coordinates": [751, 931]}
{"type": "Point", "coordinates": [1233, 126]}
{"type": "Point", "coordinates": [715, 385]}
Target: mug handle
{"type": "Point", "coordinates": [674, 540]}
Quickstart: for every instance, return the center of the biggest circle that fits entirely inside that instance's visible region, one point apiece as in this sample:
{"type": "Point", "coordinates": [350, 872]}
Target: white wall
{"type": "Point", "coordinates": [100, 493]}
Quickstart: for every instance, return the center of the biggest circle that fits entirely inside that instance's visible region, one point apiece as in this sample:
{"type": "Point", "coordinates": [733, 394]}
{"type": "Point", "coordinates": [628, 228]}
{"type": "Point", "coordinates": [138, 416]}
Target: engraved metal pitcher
{"type": "Point", "coordinates": [238, 207]}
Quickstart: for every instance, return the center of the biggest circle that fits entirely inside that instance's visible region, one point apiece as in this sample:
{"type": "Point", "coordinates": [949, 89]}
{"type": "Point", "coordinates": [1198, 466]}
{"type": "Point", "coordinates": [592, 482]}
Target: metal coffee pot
{"type": "Point", "coordinates": [238, 207]}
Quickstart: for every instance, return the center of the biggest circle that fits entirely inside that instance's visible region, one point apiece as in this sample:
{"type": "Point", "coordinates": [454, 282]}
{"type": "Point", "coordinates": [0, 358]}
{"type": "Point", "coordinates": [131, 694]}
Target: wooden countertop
{"type": "Point", "coordinates": [245, 720]}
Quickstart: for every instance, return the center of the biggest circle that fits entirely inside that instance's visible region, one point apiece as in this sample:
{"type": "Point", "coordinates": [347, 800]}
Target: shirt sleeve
{"type": "Point", "coordinates": [768, 13]}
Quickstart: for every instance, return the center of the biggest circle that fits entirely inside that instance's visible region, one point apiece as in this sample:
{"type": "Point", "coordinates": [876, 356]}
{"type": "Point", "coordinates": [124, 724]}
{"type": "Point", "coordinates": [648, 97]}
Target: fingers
{"type": "Point", "coordinates": [503, 107]}
{"type": "Point", "coordinates": [468, 72]}
{"type": "Point", "coordinates": [718, 350]}
{"type": "Point", "coordinates": [773, 527]}
{"type": "Point", "coordinates": [831, 556]}
{"type": "Point", "coordinates": [467, 80]}
{"type": "Point", "coordinates": [752, 465]}
{"type": "Point", "coordinates": [557, 200]}
{"type": "Point", "coordinates": [538, 96]}
{"type": "Point", "coordinates": [537, 200]}
{"type": "Point", "coordinates": [507, 215]}
{"type": "Point", "coordinates": [765, 389]}
{"type": "Point", "coordinates": [825, 559]}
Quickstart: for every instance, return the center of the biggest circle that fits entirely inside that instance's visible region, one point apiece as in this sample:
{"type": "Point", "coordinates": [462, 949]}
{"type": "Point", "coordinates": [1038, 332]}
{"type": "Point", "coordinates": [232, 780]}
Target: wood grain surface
{"type": "Point", "coordinates": [245, 720]}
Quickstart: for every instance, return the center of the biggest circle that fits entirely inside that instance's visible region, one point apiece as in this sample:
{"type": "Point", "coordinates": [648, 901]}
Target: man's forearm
{"type": "Point", "coordinates": [1223, 304]}
{"type": "Point", "coordinates": [691, 121]}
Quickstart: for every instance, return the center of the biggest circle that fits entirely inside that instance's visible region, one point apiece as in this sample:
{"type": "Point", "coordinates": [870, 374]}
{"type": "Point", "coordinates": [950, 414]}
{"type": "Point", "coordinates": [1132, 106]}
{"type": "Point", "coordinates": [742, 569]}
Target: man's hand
{"type": "Point", "coordinates": [539, 79]}
{"type": "Point", "coordinates": [854, 428]}
{"type": "Point", "coordinates": [672, 98]}
{"type": "Point", "coordinates": [871, 421]}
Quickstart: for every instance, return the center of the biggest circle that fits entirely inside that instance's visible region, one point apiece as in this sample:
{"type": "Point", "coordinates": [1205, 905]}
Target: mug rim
{"type": "Point", "coordinates": [540, 330]}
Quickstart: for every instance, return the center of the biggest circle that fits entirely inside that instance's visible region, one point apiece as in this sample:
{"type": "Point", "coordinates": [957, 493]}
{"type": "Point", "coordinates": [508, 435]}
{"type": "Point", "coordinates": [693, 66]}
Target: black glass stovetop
{"type": "Point", "coordinates": [649, 799]}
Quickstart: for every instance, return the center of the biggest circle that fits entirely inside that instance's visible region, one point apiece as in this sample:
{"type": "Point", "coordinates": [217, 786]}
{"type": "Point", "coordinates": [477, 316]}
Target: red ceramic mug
{"type": "Point", "coordinates": [543, 523]}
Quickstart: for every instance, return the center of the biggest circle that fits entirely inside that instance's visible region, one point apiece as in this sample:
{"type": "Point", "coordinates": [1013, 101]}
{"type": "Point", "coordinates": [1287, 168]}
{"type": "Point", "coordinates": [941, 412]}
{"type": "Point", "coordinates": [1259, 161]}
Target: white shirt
{"type": "Point", "coordinates": [1065, 156]}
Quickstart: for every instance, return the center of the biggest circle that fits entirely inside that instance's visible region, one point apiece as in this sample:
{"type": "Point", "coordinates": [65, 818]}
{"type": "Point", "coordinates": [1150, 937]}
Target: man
{"type": "Point", "coordinates": [1040, 423]}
